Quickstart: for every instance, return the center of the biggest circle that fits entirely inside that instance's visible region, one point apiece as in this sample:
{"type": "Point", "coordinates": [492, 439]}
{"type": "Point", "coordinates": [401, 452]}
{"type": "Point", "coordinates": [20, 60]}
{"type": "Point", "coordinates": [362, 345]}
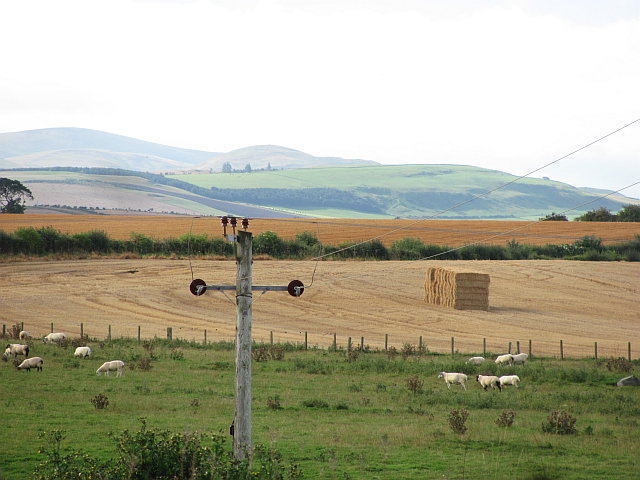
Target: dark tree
{"type": "Point", "coordinates": [226, 167]}
{"type": "Point", "coordinates": [629, 213]}
{"type": "Point", "coordinates": [600, 215]}
{"type": "Point", "coordinates": [13, 195]}
{"type": "Point", "coordinates": [555, 217]}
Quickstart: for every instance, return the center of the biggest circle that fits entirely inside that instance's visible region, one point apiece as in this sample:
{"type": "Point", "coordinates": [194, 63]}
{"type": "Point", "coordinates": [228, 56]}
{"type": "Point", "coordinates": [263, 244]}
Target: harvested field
{"type": "Point", "coordinates": [545, 301]}
{"type": "Point", "coordinates": [453, 233]}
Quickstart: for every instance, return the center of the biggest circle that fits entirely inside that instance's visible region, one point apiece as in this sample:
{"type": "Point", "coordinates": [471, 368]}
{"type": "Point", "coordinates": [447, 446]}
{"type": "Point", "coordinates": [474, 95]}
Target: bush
{"type": "Point", "coordinates": [414, 384]}
{"type": "Point", "coordinates": [176, 354]}
{"type": "Point", "coordinates": [506, 418]}
{"type": "Point", "coordinates": [560, 423]}
{"type": "Point", "coordinates": [260, 354]}
{"type": "Point", "coordinates": [144, 364]}
{"type": "Point", "coordinates": [619, 364]}
{"type": "Point", "coordinates": [457, 420]}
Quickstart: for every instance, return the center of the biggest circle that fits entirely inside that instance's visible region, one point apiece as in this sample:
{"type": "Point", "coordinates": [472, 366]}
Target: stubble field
{"type": "Point", "coordinates": [542, 301]}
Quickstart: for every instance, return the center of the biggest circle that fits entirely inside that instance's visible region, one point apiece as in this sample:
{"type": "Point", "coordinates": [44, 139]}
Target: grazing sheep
{"type": "Point", "coordinates": [113, 366]}
{"type": "Point", "coordinates": [519, 359]}
{"type": "Point", "coordinates": [29, 363]}
{"type": "Point", "coordinates": [506, 358]}
{"type": "Point", "coordinates": [509, 380]}
{"type": "Point", "coordinates": [83, 352]}
{"type": "Point", "coordinates": [24, 335]}
{"type": "Point", "coordinates": [455, 378]}
{"type": "Point", "coordinates": [16, 349]}
{"type": "Point", "coordinates": [54, 338]}
{"type": "Point", "coordinates": [487, 381]}
{"type": "Point", "coordinates": [476, 360]}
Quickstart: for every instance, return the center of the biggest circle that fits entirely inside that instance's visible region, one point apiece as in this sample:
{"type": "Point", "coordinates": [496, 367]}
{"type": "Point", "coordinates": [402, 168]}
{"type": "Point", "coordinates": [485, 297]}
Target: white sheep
{"type": "Point", "coordinates": [83, 352]}
{"type": "Point", "coordinates": [509, 380]}
{"type": "Point", "coordinates": [519, 359]}
{"type": "Point", "coordinates": [113, 366]}
{"type": "Point", "coordinates": [15, 349]}
{"type": "Point", "coordinates": [476, 360]}
{"type": "Point", "coordinates": [455, 378]}
{"type": "Point", "coordinates": [24, 335]}
{"type": "Point", "coordinates": [487, 381]}
{"type": "Point", "coordinates": [54, 338]}
{"type": "Point", "coordinates": [29, 363]}
{"type": "Point", "coordinates": [506, 358]}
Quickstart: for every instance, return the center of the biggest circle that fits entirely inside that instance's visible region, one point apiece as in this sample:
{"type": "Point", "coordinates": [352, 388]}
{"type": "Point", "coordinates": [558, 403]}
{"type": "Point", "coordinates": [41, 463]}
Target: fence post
{"type": "Point", "coordinates": [205, 336]}
{"type": "Point", "coordinates": [4, 330]}
{"type": "Point", "coordinates": [51, 327]}
{"type": "Point", "coordinates": [306, 344]}
{"type": "Point", "coordinates": [272, 337]}
{"type": "Point", "coordinates": [109, 333]}
{"type": "Point", "coordinates": [530, 349]}
{"type": "Point", "coordinates": [362, 344]}
{"type": "Point", "coordinates": [629, 350]}
{"type": "Point", "coordinates": [335, 343]}
{"type": "Point", "coordinates": [453, 346]}
{"type": "Point", "coordinates": [386, 341]}
{"type": "Point", "coordinates": [509, 348]}
{"type": "Point", "coordinates": [169, 333]}
{"type": "Point", "coordinates": [561, 351]}
{"type": "Point", "coordinates": [22, 326]}
{"type": "Point", "coordinates": [420, 344]}
{"type": "Point", "coordinates": [595, 349]}
{"type": "Point", "coordinates": [81, 330]}
{"type": "Point", "coordinates": [138, 333]}
{"type": "Point", "coordinates": [484, 347]}
{"type": "Point", "coordinates": [349, 345]}
{"type": "Point", "coordinates": [518, 347]}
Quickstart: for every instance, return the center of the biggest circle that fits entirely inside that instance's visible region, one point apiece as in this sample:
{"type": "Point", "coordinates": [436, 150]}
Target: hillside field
{"type": "Point", "coordinates": [453, 233]}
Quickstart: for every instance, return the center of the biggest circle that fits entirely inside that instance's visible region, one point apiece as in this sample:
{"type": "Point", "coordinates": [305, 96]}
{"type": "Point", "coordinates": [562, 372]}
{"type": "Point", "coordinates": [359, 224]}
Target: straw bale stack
{"type": "Point", "coordinates": [458, 289]}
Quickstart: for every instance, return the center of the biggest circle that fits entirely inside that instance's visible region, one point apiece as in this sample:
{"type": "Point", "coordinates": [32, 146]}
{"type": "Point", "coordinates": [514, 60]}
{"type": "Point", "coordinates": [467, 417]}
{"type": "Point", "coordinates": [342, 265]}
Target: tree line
{"type": "Point", "coordinates": [46, 241]}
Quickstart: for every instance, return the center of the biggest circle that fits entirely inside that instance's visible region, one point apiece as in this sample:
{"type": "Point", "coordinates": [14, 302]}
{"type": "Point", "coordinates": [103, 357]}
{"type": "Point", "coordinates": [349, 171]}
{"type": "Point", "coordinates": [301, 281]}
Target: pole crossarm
{"type": "Point", "coordinates": [264, 288]}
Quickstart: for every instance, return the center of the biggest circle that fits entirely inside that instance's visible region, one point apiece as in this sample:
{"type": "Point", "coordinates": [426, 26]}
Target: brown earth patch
{"type": "Point", "coordinates": [542, 301]}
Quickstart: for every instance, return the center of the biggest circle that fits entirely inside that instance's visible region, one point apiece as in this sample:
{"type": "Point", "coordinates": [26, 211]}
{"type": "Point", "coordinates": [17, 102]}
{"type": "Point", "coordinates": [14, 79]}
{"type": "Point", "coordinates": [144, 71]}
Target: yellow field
{"type": "Point", "coordinates": [543, 301]}
{"type": "Point", "coordinates": [453, 233]}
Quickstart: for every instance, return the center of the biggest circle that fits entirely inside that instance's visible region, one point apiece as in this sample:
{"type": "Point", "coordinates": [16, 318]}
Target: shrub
{"type": "Point", "coordinates": [457, 420]}
{"type": "Point", "coordinates": [144, 364]}
{"type": "Point", "coordinates": [352, 355]}
{"type": "Point", "coordinates": [619, 364]}
{"type": "Point", "coordinates": [407, 350]}
{"type": "Point", "coordinates": [506, 418]}
{"type": "Point", "coordinates": [176, 354]}
{"type": "Point", "coordinates": [414, 384]}
{"type": "Point", "coordinates": [276, 353]}
{"type": "Point", "coordinates": [260, 354]}
{"type": "Point", "coordinates": [392, 352]}
{"type": "Point", "coordinates": [560, 423]}
{"type": "Point", "coordinates": [100, 401]}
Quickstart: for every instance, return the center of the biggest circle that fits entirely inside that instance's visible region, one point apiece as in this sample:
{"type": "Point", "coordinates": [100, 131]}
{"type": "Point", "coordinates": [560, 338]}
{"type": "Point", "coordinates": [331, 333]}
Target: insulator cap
{"type": "Point", "coordinates": [295, 288]}
{"type": "Point", "coordinates": [224, 221]}
{"type": "Point", "coordinates": [233, 221]}
{"type": "Point", "coordinates": [198, 287]}
{"type": "Point", "coordinates": [245, 223]}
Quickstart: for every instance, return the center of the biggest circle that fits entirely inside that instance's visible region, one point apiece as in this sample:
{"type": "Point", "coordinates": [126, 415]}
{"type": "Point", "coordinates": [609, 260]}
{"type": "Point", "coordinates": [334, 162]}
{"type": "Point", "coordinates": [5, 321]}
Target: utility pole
{"type": "Point", "coordinates": [241, 425]}
{"type": "Point", "coordinates": [242, 421]}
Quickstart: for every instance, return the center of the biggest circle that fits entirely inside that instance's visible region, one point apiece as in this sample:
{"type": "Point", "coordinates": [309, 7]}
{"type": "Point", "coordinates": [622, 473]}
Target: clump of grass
{"type": "Point", "coordinates": [176, 354]}
{"type": "Point", "coordinates": [560, 423]}
{"type": "Point", "coordinates": [341, 406]}
{"type": "Point", "coordinates": [407, 350]}
{"type": "Point", "coordinates": [414, 384]}
{"type": "Point", "coordinates": [100, 401]}
{"type": "Point", "coordinates": [274, 403]}
{"type": "Point", "coordinates": [506, 418]}
{"type": "Point", "coordinates": [315, 403]}
{"type": "Point", "coordinates": [391, 353]}
{"type": "Point", "coordinates": [381, 387]}
{"type": "Point", "coordinates": [352, 355]}
{"type": "Point", "coordinates": [457, 420]}
{"type": "Point", "coordinates": [355, 387]}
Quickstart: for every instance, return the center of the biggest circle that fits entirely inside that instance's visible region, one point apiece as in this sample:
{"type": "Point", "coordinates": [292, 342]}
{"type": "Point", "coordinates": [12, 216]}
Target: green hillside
{"type": "Point", "coordinates": [405, 191]}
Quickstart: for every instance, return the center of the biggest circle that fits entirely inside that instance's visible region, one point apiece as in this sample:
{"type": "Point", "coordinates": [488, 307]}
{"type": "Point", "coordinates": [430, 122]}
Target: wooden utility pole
{"type": "Point", "coordinates": [242, 421]}
{"type": "Point", "coordinates": [241, 426]}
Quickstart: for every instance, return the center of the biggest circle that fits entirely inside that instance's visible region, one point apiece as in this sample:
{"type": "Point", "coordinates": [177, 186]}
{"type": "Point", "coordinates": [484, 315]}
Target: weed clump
{"type": "Point", "coordinates": [176, 354]}
{"type": "Point", "coordinates": [315, 403]}
{"type": "Point", "coordinates": [274, 403]}
{"type": "Point", "coordinates": [560, 423]}
{"type": "Point", "coordinates": [100, 401]}
{"type": "Point", "coordinates": [407, 350]}
{"type": "Point", "coordinates": [144, 364]}
{"type": "Point", "coordinates": [414, 384]}
{"type": "Point", "coordinates": [619, 364]}
{"type": "Point", "coordinates": [391, 353]}
{"type": "Point", "coordinates": [457, 420]}
{"type": "Point", "coordinates": [506, 418]}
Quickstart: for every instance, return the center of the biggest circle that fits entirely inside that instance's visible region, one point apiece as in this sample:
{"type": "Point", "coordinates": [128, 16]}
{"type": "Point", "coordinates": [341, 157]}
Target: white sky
{"type": "Point", "coordinates": [507, 85]}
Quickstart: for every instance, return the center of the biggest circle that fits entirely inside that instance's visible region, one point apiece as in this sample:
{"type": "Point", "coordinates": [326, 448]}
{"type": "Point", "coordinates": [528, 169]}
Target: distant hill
{"type": "Point", "coordinates": [18, 144]}
{"type": "Point", "coordinates": [263, 156]}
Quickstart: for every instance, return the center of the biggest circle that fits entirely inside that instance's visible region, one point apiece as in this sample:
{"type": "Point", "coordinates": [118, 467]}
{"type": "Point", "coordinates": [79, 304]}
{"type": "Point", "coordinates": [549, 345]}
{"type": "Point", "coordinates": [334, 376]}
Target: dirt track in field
{"type": "Point", "coordinates": [545, 301]}
{"type": "Point", "coordinates": [453, 233]}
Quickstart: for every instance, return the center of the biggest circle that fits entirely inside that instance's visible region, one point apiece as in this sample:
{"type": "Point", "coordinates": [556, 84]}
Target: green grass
{"type": "Point", "coordinates": [365, 422]}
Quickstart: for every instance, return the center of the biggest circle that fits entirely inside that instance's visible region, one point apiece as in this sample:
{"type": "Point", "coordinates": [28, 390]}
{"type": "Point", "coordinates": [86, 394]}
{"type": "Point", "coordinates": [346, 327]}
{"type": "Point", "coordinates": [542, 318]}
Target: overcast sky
{"type": "Point", "coordinates": [506, 85]}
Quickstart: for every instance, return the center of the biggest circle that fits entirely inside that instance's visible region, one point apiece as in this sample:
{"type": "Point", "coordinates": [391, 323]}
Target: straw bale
{"type": "Point", "coordinates": [458, 289]}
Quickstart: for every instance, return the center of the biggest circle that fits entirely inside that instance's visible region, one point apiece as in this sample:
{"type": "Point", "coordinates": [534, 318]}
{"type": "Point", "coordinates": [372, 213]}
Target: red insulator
{"type": "Point", "coordinates": [245, 223]}
{"type": "Point", "coordinates": [233, 221]}
{"type": "Point", "coordinates": [224, 221]}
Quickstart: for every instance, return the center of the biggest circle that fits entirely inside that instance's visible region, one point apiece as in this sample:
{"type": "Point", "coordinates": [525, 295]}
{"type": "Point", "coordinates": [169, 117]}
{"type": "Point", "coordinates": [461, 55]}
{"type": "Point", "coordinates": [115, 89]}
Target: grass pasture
{"type": "Point", "coordinates": [366, 423]}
